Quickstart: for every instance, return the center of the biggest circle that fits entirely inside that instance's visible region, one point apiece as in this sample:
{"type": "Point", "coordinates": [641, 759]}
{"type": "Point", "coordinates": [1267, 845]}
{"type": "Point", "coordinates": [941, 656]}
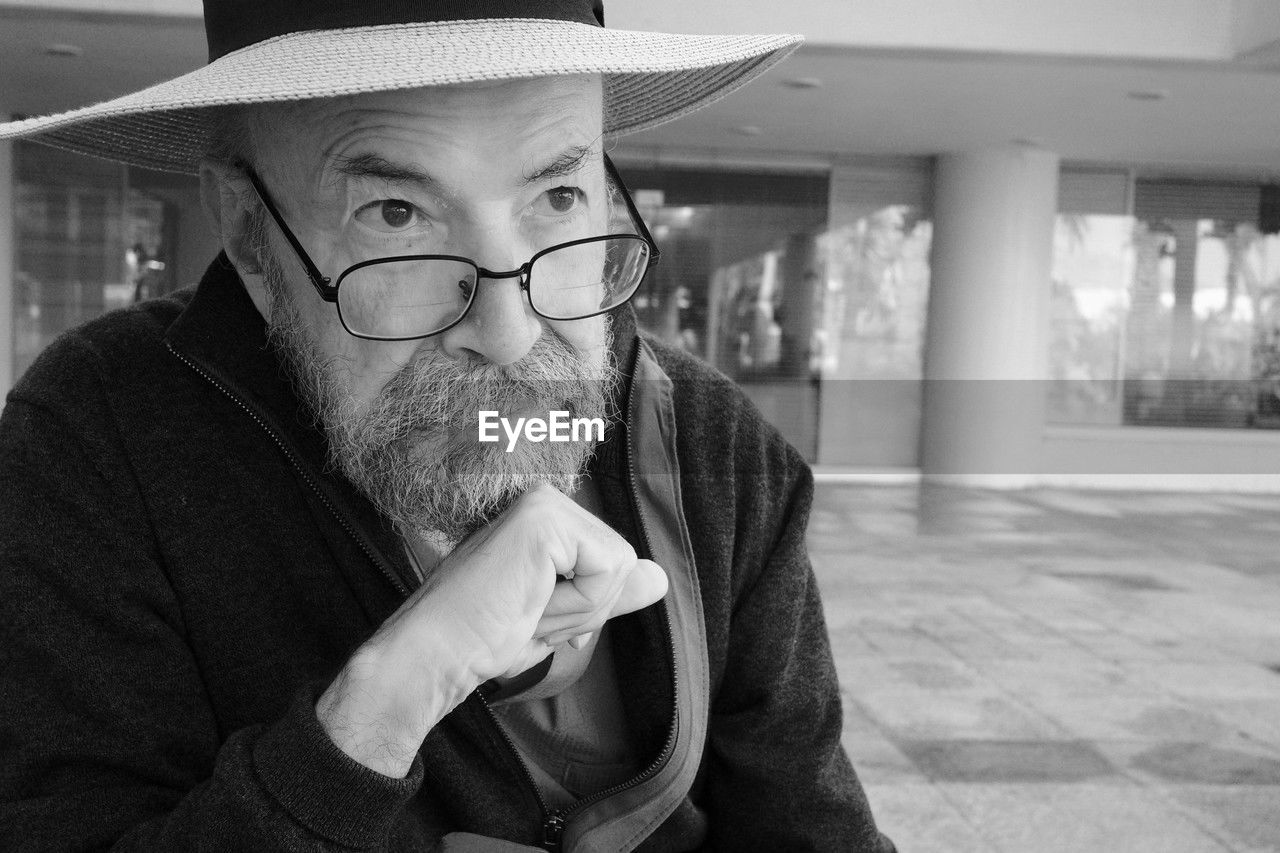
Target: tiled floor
{"type": "Point", "coordinates": [1058, 671]}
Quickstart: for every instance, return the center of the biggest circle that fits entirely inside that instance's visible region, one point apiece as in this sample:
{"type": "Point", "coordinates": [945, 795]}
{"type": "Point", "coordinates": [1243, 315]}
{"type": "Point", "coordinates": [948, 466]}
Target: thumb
{"type": "Point", "coordinates": [646, 584]}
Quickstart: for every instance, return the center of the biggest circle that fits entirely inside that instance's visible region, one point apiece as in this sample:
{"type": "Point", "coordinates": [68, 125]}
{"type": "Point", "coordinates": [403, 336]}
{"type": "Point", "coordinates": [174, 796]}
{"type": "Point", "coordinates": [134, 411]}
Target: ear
{"type": "Point", "coordinates": [230, 201]}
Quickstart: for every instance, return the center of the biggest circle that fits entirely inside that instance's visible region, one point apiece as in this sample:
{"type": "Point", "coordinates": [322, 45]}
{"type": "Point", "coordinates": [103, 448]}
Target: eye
{"type": "Point", "coordinates": [390, 214]}
{"type": "Point", "coordinates": [561, 200]}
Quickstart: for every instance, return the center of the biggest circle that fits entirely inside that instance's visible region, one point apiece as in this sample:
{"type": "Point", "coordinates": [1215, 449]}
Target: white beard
{"type": "Point", "coordinates": [415, 450]}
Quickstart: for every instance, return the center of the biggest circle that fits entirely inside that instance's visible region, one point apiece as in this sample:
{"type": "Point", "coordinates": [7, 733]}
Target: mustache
{"type": "Point", "coordinates": [437, 391]}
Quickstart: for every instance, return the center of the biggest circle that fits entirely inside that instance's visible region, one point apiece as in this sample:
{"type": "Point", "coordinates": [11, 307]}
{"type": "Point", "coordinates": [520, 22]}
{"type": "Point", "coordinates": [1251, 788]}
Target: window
{"type": "Point", "coordinates": [1170, 315]}
{"type": "Point", "coordinates": [873, 308]}
{"type": "Point", "coordinates": [739, 284]}
{"type": "Point", "coordinates": [92, 236]}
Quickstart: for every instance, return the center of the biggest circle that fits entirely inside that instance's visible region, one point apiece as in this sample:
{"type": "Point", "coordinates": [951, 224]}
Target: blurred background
{"type": "Point", "coordinates": [1079, 197]}
{"type": "Point", "coordinates": [1007, 273]}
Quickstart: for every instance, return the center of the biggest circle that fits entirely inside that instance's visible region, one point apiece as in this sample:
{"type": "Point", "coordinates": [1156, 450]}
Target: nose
{"type": "Point", "coordinates": [500, 326]}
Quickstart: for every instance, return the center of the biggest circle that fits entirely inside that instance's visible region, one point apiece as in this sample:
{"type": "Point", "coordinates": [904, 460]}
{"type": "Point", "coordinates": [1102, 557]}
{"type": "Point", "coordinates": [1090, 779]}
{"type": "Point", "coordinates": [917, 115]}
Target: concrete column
{"type": "Point", "coordinates": [7, 261]}
{"type": "Point", "coordinates": [795, 309]}
{"type": "Point", "coordinates": [987, 337]}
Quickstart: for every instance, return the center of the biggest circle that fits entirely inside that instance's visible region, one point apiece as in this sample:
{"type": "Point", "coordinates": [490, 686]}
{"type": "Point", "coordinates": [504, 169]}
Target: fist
{"type": "Point", "coordinates": [491, 608]}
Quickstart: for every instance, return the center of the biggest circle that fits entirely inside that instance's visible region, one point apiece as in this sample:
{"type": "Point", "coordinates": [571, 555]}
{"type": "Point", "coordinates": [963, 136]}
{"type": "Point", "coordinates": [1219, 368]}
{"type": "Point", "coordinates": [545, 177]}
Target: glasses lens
{"type": "Point", "coordinates": [405, 299]}
{"type": "Point", "coordinates": [585, 279]}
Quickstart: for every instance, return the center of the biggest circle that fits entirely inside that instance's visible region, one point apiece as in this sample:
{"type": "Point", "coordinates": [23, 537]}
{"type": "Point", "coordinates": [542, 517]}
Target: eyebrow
{"type": "Point", "coordinates": [380, 168]}
{"type": "Point", "coordinates": [569, 162]}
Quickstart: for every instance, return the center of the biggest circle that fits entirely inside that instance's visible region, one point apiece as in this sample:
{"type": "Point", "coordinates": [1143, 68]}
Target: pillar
{"type": "Point", "coordinates": [987, 334]}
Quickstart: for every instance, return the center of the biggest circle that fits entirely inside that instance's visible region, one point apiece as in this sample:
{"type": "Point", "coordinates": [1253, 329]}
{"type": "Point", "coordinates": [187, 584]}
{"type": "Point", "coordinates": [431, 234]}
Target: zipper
{"type": "Point", "coordinates": [298, 466]}
{"type": "Point", "coordinates": [552, 825]}
{"type": "Point", "coordinates": [553, 833]}
{"type": "Point", "coordinates": [555, 822]}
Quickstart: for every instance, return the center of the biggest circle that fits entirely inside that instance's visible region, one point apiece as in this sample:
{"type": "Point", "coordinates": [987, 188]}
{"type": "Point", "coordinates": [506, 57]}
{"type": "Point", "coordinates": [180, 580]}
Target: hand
{"type": "Point", "coordinates": [491, 608]}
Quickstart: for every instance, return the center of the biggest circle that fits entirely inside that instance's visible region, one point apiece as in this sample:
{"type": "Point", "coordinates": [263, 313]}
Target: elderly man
{"type": "Point", "coordinates": [265, 586]}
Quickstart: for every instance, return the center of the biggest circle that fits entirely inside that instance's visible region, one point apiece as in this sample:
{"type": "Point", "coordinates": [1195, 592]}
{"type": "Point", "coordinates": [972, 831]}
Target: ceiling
{"type": "Point", "coordinates": [119, 56]}
{"type": "Point", "coordinates": [1210, 116]}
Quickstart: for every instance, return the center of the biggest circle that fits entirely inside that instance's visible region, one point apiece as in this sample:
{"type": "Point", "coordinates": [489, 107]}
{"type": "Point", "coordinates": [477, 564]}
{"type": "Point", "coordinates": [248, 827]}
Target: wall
{"type": "Point", "coordinates": [1158, 457]}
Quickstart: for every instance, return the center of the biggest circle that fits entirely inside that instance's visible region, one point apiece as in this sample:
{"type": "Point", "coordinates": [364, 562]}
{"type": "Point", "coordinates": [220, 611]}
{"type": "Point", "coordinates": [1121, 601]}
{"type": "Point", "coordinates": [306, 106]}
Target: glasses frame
{"type": "Point", "coordinates": [328, 288]}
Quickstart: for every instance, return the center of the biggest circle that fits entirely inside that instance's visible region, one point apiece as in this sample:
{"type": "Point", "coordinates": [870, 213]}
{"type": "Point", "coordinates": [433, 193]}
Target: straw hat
{"type": "Point", "coordinates": [263, 51]}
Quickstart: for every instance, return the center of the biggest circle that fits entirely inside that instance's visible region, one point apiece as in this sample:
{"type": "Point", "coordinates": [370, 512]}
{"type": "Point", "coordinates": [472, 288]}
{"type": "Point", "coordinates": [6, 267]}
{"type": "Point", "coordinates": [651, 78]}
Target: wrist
{"type": "Point", "coordinates": [385, 701]}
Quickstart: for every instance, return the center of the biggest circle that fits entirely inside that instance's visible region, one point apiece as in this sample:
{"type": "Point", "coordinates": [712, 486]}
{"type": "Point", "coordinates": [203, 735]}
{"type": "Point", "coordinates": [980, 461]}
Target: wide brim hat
{"type": "Point", "coordinates": [291, 50]}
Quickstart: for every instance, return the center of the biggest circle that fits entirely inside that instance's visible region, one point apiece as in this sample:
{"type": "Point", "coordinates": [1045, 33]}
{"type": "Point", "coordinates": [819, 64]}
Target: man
{"type": "Point", "coordinates": [264, 585]}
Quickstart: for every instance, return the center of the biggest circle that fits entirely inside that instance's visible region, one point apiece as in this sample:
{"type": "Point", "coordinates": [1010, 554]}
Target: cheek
{"type": "Point", "coordinates": [361, 367]}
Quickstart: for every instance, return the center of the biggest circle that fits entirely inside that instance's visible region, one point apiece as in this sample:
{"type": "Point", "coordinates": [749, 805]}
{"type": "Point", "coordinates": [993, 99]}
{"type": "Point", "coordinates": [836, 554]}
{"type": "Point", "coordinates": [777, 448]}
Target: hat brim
{"type": "Point", "coordinates": [650, 78]}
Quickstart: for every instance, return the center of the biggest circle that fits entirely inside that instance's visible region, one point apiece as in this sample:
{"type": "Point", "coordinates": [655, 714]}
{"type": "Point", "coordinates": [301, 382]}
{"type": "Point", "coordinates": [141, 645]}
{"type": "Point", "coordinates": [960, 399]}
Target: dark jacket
{"type": "Point", "coordinates": [180, 578]}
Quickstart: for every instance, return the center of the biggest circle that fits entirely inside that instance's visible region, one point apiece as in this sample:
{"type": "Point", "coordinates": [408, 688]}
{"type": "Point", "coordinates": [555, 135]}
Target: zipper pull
{"type": "Point", "coordinates": [553, 833]}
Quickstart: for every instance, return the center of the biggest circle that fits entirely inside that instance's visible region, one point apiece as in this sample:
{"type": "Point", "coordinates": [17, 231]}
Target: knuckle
{"type": "Point", "coordinates": [626, 555]}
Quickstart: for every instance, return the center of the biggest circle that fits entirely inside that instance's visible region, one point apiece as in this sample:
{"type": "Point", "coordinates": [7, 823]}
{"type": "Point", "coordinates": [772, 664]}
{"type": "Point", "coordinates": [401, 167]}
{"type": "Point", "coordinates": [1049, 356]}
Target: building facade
{"type": "Point", "coordinates": [989, 241]}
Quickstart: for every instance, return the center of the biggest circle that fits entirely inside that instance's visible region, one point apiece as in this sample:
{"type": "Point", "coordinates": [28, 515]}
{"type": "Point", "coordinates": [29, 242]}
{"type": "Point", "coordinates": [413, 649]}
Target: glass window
{"type": "Point", "coordinates": [92, 236]}
{"type": "Point", "coordinates": [69, 220]}
{"type": "Point", "coordinates": [1169, 316]}
{"type": "Point", "coordinates": [1093, 262]}
{"type": "Point", "coordinates": [870, 337]}
{"type": "Point", "coordinates": [809, 290]}
{"type": "Point", "coordinates": [739, 281]}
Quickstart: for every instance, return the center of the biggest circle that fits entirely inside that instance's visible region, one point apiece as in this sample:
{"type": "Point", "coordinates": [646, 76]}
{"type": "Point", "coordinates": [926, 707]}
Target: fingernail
{"type": "Point", "coordinates": [580, 640]}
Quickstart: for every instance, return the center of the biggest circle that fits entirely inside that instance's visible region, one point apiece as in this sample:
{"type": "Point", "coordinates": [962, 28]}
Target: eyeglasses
{"type": "Point", "coordinates": [407, 297]}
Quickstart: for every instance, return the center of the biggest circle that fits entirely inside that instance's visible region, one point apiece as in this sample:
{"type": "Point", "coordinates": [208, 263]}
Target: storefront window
{"type": "Point", "coordinates": [739, 283]}
{"type": "Point", "coordinates": [874, 304]}
{"type": "Point", "coordinates": [1170, 316]}
{"type": "Point", "coordinates": [876, 295]}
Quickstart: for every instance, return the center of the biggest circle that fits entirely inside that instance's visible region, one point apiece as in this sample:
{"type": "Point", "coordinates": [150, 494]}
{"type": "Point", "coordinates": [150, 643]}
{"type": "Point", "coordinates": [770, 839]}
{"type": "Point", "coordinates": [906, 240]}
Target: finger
{"type": "Point", "coordinates": [560, 638]}
{"type": "Point", "coordinates": [600, 554]}
{"type": "Point", "coordinates": [581, 640]}
{"type": "Point", "coordinates": [588, 591]}
{"type": "Point", "coordinates": [570, 624]}
{"type": "Point", "coordinates": [646, 584]}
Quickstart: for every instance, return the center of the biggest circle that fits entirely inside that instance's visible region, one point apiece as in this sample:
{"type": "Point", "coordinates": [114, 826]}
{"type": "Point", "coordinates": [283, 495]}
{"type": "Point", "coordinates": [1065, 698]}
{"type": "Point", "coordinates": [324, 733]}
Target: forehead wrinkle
{"type": "Point", "coordinates": [561, 144]}
{"type": "Point", "coordinates": [360, 142]}
{"type": "Point", "coordinates": [546, 124]}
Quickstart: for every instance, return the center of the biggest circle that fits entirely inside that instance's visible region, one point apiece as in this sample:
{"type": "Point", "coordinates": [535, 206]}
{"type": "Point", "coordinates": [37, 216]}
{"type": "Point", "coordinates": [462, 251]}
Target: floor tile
{"type": "Point", "coordinates": [1077, 818]}
{"type": "Point", "coordinates": [994, 761]}
{"type": "Point", "coordinates": [1247, 816]}
{"type": "Point", "coordinates": [920, 820]}
{"type": "Point", "coordinates": [913, 713]}
{"type": "Point", "coordinates": [1230, 761]}
{"type": "Point", "coordinates": [1058, 670]}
